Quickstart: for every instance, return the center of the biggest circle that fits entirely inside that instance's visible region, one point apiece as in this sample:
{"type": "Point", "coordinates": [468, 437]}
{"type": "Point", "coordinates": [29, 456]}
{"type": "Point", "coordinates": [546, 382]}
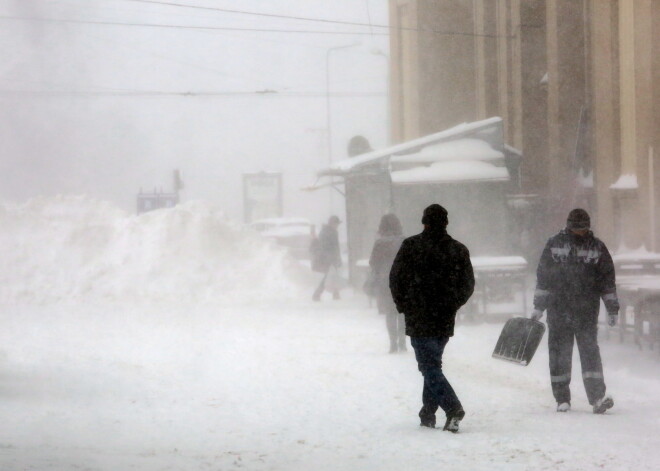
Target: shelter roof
{"type": "Point", "coordinates": [480, 141]}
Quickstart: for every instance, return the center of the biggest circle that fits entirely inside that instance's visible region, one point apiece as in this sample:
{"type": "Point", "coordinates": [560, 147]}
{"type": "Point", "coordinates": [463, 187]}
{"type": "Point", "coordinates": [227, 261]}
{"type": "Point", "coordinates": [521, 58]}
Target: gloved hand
{"type": "Point", "coordinates": [536, 315]}
{"type": "Point", "coordinates": [612, 319]}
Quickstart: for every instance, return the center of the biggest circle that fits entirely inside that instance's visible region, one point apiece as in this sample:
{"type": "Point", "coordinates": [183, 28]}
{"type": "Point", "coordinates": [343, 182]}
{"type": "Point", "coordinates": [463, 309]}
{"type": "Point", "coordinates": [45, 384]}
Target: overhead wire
{"type": "Point", "coordinates": [111, 91]}
{"type": "Point", "coordinates": [318, 20]}
{"type": "Point", "coordinates": [232, 35]}
{"type": "Point", "coordinates": [289, 17]}
{"type": "Point", "coordinates": [192, 94]}
{"type": "Point", "coordinates": [62, 85]}
{"type": "Point", "coordinates": [189, 27]}
{"type": "Point", "coordinates": [95, 6]}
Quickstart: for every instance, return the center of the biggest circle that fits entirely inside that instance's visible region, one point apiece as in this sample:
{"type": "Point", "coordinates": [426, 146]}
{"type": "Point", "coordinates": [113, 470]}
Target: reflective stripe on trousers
{"type": "Point", "coordinates": [592, 375]}
{"type": "Point", "coordinates": [560, 378]}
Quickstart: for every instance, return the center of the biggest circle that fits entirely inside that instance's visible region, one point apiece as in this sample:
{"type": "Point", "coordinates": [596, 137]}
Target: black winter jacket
{"type": "Point", "coordinates": [574, 272]}
{"type": "Point", "coordinates": [431, 278]}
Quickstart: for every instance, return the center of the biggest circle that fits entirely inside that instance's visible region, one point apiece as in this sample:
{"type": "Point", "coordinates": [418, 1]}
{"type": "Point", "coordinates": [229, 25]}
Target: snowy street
{"type": "Point", "coordinates": [297, 386]}
{"type": "Point", "coordinates": [212, 213]}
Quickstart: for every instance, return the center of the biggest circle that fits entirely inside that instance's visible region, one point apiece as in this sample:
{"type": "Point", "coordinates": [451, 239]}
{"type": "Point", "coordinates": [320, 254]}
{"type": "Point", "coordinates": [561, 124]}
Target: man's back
{"type": "Point", "coordinates": [431, 278]}
{"type": "Point", "coordinates": [575, 271]}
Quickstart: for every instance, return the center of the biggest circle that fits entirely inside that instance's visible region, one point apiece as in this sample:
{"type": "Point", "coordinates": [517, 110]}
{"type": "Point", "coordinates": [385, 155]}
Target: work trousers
{"type": "Point", "coordinates": [437, 390]}
{"type": "Point", "coordinates": [561, 336]}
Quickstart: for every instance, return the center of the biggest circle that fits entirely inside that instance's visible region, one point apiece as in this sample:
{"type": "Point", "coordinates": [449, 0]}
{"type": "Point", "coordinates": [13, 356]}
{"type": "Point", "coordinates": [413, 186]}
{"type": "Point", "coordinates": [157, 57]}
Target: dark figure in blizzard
{"type": "Point", "coordinates": [431, 278]}
{"type": "Point", "coordinates": [574, 273]}
{"type": "Point", "coordinates": [327, 255]}
{"type": "Point", "coordinates": [382, 255]}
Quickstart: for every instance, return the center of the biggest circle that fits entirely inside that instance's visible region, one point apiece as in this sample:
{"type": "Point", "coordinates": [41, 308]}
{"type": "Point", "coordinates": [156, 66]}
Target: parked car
{"type": "Point", "coordinates": [293, 233]}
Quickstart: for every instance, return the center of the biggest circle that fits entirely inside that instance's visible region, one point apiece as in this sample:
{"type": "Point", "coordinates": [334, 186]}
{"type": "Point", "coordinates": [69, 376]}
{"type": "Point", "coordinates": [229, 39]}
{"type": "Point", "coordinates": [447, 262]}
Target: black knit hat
{"type": "Point", "coordinates": [578, 219]}
{"type": "Point", "coordinates": [435, 216]}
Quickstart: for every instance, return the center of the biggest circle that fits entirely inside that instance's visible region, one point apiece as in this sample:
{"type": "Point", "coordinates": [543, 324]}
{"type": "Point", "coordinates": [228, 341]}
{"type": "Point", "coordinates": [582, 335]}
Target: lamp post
{"type": "Point", "coordinates": [388, 110]}
{"type": "Point", "coordinates": [327, 95]}
{"type": "Point", "coordinates": [327, 107]}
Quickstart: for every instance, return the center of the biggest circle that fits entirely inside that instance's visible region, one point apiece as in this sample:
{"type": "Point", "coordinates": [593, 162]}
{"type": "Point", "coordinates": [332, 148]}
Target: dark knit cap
{"type": "Point", "coordinates": [578, 219]}
{"type": "Point", "coordinates": [435, 216]}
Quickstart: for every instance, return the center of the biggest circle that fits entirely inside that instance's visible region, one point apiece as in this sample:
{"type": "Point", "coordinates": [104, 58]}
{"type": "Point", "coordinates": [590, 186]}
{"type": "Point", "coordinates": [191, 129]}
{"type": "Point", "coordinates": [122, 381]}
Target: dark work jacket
{"type": "Point", "coordinates": [382, 256]}
{"type": "Point", "coordinates": [431, 278]}
{"type": "Point", "coordinates": [328, 248]}
{"type": "Point", "coordinates": [573, 274]}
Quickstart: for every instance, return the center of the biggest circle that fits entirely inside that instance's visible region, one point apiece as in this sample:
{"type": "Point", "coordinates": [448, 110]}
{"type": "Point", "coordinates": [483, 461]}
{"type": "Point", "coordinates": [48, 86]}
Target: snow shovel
{"type": "Point", "coordinates": [519, 340]}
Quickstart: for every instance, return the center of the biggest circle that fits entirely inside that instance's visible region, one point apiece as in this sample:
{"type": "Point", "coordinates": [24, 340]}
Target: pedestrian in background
{"type": "Point", "coordinates": [574, 273]}
{"type": "Point", "coordinates": [431, 278]}
{"type": "Point", "coordinates": [390, 237]}
{"type": "Point", "coordinates": [326, 256]}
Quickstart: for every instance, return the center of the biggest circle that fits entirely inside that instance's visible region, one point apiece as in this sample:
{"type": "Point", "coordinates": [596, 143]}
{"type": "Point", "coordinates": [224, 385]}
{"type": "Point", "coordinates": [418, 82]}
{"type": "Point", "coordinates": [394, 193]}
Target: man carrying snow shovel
{"type": "Point", "coordinates": [430, 279]}
{"type": "Point", "coordinates": [574, 273]}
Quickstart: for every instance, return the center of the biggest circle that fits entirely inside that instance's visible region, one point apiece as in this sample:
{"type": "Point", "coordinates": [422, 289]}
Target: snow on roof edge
{"type": "Point", "coordinates": [451, 172]}
{"type": "Point", "coordinates": [345, 165]}
{"type": "Point", "coordinates": [627, 181]}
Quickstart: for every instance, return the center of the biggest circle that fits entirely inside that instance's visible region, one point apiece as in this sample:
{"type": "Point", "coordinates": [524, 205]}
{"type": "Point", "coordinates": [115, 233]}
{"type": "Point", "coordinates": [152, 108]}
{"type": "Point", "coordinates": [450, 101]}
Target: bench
{"type": "Point", "coordinates": [501, 286]}
{"type": "Point", "coordinates": [638, 287]}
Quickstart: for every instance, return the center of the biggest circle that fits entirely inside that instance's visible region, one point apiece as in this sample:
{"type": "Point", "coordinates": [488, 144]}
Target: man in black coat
{"type": "Point", "coordinates": [328, 254]}
{"type": "Point", "coordinates": [431, 278]}
{"type": "Point", "coordinates": [576, 271]}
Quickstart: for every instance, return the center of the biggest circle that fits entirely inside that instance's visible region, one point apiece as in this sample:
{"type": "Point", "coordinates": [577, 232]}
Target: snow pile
{"type": "Point", "coordinates": [71, 247]}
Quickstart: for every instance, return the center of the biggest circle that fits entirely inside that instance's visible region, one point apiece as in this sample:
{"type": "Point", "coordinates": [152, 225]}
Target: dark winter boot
{"type": "Point", "coordinates": [453, 419]}
{"type": "Point", "coordinates": [427, 418]}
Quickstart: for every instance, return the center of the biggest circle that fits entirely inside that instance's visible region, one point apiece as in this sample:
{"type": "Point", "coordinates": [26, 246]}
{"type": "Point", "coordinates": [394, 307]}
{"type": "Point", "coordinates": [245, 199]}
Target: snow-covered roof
{"type": "Point", "coordinates": [625, 182]}
{"type": "Point", "coordinates": [498, 263]}
{"type": "Point", "coordinates": [627, 255]}
{"type": "Point", "coordinates": [451, 171]}
{"type": "Point", "coordinates": [487, 131]}
{"type": "Point", "coordinates": [586, 180]}
{"type": "Point", "coordinates": [466, 148]}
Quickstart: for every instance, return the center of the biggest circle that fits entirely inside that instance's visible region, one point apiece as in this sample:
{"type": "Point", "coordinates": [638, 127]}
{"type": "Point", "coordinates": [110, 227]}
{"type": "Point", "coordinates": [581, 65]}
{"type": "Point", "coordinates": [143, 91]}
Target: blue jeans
{"type": "Point", "coordinates": [437, 390]}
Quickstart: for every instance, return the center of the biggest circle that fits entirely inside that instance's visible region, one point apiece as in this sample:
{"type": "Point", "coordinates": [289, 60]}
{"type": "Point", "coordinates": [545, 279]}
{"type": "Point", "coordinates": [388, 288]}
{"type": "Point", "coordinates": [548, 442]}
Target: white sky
{"type": "Point", "coordinates": [110, 146]}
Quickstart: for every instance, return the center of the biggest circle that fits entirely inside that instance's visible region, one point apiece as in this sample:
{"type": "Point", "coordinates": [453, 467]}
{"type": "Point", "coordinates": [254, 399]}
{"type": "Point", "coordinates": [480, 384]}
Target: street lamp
{"type": "Point", "coordinates": [327, 108]}
{"type": "Point", "coordinates": [388, 111]}
{"type": "Point", "coordinates": [327, 94]}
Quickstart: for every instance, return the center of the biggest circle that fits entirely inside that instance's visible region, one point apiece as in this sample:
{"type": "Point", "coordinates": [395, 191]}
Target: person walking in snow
{"type": "Point", "coordinates": [382, 255]}
{"type": "Point", "coordinates": [431, 278]}
{"type": "Point", "coordinates": [327, 255]}
{"type": "Point", "coordinates": [576, 271]}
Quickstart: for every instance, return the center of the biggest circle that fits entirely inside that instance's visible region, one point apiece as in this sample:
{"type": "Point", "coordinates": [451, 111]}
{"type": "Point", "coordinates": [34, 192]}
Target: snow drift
{"type": "Point", "coordinates": [67, 247]}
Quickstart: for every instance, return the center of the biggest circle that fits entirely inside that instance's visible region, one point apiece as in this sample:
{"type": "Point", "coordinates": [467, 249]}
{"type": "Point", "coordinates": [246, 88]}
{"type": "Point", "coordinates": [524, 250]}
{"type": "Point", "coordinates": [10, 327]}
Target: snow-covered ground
{"type": "Point", "coordinates": [198, 379]}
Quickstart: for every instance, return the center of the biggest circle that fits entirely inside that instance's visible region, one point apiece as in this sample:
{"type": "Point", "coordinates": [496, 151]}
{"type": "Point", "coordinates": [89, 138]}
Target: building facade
{"type": "Point", "coordinates": [575, 81]}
